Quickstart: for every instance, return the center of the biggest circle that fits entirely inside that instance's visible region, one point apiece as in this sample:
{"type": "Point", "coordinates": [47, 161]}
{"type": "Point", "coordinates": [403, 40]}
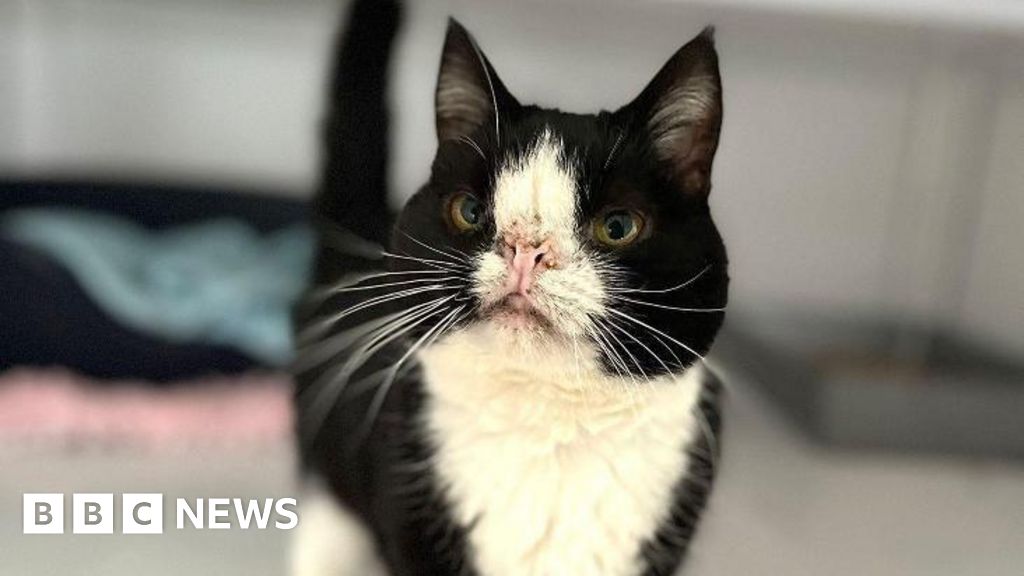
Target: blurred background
{"type": "Point", "coordinates": [155, 158]}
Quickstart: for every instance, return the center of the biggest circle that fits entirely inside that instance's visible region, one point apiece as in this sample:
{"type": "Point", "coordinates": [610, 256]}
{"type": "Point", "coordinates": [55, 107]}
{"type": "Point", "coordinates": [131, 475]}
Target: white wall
{"type": "Point", "coordinates": [224, 91]}
{"type": "Point", "coordinates": [994, 298]}
{"type": "Point", "coordinates": [11, 34]}
{"type": "Point", "coordinates": [849, 139]}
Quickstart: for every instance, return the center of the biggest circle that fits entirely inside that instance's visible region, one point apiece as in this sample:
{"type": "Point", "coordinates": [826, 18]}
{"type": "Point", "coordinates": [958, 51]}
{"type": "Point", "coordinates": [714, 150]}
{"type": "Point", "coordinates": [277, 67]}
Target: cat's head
{"type": "Point", "coordinates": [555, 229]}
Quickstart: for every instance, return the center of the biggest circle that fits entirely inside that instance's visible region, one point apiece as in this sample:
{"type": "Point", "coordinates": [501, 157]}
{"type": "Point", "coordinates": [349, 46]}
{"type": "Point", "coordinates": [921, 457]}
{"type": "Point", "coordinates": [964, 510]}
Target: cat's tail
{"type": "Point", "coordinates": [352, 198]}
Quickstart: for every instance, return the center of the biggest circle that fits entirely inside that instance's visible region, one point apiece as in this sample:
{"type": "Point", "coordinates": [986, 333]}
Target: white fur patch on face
{"type": "Point", "coordinates": [535, 196]}
{"type": "Point", "coordinates": [554, 465]}
{"type": "Point", "coordinates": [535, 201]}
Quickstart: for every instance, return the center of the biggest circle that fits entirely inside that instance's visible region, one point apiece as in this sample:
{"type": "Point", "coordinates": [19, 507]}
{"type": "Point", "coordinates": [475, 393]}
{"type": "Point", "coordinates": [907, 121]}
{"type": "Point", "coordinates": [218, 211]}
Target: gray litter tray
{"type": "Point", "coordinates": [872, 384]}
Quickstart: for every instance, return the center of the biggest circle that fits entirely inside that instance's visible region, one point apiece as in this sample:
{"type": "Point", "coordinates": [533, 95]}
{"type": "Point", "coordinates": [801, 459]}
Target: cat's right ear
{"type": "Point", "coordinates": [469, 93]}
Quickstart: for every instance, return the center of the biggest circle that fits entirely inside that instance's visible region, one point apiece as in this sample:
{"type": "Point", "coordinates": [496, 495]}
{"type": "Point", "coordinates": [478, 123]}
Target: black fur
{"type": "Point", "coordinates": [366, 439]}
{"type": "Point", "coordinates": [664, 553]}
{"type": "Point", "coordinates": [352, 199]}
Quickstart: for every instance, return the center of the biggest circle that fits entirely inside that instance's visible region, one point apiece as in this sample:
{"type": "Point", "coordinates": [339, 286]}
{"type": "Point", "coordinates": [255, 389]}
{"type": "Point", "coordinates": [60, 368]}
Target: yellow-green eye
{"type": "Point", "coordinates": [618, 228]}
{"type": "Point", "coordinates": [466, 212]}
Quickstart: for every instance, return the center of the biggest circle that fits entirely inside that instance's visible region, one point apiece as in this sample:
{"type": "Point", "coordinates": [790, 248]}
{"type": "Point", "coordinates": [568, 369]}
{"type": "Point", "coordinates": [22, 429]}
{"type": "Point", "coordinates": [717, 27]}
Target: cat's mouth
{"type": "Point", "coordinates": [519, 312]}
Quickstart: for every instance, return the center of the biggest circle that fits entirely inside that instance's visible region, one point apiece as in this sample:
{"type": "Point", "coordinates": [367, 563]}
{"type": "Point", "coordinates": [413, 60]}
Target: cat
{"type": "Point", "coordinates": [507, 377]}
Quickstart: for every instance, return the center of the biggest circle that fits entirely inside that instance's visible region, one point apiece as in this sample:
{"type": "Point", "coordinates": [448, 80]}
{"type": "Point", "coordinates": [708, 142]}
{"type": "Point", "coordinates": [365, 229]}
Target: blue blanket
{"type": "Point", "coordinates": [216, 282]}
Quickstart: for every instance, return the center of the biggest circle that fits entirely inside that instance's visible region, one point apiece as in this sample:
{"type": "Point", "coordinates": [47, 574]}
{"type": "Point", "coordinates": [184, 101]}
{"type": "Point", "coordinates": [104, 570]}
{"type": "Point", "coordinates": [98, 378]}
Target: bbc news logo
{"type": "Point", "coordinates": [144, 513]}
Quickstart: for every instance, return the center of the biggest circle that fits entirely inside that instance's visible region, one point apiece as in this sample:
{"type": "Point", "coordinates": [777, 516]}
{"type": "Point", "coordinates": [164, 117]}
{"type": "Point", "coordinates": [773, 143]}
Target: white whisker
{"type": "Point", "coordinates": [438, 264]}
{"type": "Point", "coordinates": [665, 306]}
{"type": "Point", "coordinates": [381, 394]}
{"type": "Point", "coordinates": [402, 283]}
{"type": "Point", "coordinates": [467, 140]}
{"type": "Point", "coordinates": [634, 384]}
{"type": "Point", "coordinates": [663, 290]}
{"type": "Point", "coordinates": [621, 369]}
{"type": "Point", "coordinates": [655, 330]}
{"type": "Point", "coordinates": [330, 388]}
{"type": "Point", "coordinates": [317, 328]}
{"type": "Point", "coordinates": [615, 148]}
{"type": "Point", "coordinates": [618, 327]}
{"type": "Point", "coordinates": [325, 291]}
{"type": "Point", "coordinates": [630, 354]}
{"type": "Point", "coordinates": [388, 335]}
{"type": "Point", "coordinates": [455, 259]}
{"type": "Point", "coordinates": [490, 85]}
{"type": "Point", "coordinates": [312, 354]}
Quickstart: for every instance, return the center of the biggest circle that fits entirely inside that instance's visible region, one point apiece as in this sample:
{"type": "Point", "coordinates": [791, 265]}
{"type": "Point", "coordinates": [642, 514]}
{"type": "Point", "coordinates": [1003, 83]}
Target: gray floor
{"type": "Point", "coordinates": [782, 507]}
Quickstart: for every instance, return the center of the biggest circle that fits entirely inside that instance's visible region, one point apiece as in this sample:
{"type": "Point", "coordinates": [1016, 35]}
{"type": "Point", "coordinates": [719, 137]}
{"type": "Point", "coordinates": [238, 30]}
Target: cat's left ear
{"type": "Point", "coordinates": [469, 94]}
{"type": "Point", "coordinates": [681, 113]}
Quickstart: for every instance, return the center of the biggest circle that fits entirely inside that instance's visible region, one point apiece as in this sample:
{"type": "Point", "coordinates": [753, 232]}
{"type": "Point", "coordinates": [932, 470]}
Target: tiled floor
{"type": "Point", "coordinates": [782, 507]}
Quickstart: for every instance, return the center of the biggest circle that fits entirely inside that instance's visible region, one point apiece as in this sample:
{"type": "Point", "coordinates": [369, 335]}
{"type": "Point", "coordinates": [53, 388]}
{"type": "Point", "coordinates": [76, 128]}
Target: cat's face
{"type": "Point", "coordinates": [590, 232]}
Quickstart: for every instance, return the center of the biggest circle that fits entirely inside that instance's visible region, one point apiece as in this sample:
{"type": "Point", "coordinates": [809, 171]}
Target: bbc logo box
{"type": "Point", "coordinates": [92, 514]}
{"type": "Point", "coordinates": [43, 513]}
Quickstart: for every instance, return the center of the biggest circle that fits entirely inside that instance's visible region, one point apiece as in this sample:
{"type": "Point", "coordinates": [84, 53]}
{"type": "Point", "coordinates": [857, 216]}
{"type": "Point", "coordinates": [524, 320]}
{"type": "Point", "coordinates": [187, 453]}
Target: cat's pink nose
{"type": "Point", "coordinates": [525, 263]}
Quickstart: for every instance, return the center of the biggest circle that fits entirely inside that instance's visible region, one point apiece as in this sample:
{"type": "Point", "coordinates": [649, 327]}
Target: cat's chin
{"type": "Point", "coordinates": [515, 312]}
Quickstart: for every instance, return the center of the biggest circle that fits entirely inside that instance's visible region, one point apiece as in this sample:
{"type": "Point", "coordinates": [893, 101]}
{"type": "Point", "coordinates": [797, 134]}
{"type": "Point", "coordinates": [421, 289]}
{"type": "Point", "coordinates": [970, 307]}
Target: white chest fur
{"type": "Point", "coordinates": [556, 471]}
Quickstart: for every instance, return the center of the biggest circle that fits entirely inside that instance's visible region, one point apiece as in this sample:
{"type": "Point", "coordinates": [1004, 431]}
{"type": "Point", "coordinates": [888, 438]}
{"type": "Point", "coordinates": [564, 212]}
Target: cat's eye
{"type": "Point", "coordinates": [466, 212]}
{"type": "Point", "coordinates": [618, 228]}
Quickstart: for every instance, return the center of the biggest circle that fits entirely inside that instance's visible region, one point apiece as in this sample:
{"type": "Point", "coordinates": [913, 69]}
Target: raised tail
{"type": "Point", "coordinates": [352, 198]}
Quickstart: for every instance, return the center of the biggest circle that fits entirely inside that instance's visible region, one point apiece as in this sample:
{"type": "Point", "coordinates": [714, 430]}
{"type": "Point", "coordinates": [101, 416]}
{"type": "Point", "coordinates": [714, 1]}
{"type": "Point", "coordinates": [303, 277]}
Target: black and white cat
{"type": "Point", "coordinates": [515, 384]}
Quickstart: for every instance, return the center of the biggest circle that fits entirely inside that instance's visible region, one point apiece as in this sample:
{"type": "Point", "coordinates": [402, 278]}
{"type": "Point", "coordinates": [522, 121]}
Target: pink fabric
{"type": "Point", "coordinates": [56, 405]}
